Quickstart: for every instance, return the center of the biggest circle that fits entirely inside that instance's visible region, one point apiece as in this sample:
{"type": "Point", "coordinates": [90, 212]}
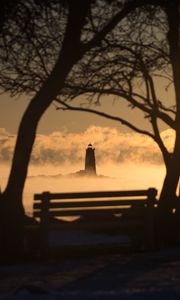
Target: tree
{"type": "Point", "coordinates": [28, 66]}
{"type": "Point", "coordinates": [140, 51]}
{"type": "Point", "coordinates": [37, 59]}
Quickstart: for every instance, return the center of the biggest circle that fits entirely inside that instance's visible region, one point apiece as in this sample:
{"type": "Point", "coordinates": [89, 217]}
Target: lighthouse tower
{"type": "Point", "coordinates": [90, 162]}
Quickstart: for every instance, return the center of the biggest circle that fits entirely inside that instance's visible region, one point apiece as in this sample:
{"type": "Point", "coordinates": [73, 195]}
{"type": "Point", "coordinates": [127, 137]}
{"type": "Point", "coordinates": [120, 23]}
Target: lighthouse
{"type": "Point", "coordinates": [90, 161]}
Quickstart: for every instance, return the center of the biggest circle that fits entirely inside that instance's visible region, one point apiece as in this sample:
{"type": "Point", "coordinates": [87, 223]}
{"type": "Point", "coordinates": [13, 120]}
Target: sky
{"type": "Point", "coordinates": [53, 120]}
{"type": "Point", "coordinates": [127, 159]}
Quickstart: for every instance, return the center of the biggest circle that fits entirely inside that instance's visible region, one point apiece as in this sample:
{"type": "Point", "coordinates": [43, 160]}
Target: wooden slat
{"type": "Point", "coordinates": [104, 203]}
{"type": "Point", "coordinates": [104, 223]}
{"type": "Point", "coordinates": [81, 195]}
{"type": "Point", "coordinates": [78, 212]}
{"type": "Point", "coordinates": [114, 225]}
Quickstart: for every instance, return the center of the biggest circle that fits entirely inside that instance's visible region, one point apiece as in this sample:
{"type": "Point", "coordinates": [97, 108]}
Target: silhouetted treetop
{"type": "Point", "coordinates": [137, 63]}
{"type": "Point", "coordinates": [32, 33]}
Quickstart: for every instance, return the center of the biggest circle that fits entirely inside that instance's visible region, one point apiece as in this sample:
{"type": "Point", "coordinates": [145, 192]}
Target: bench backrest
{"type": "Point", "coordinates": [49, 205]}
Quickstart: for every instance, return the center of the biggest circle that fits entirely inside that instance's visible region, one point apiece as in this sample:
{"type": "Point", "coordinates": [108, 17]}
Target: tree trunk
{"type": "Point", "coordinates": [168, 192]}
{"type": "Point", "coordinates": [12, 216]}
{"type": "Point", "coordinates": [11, 207]}
{"type": "Point", "coordinates": [167, 222]}
{"type": "Point", "coordinates": [12, 211]}
{"type": "Point", "coordinates": [168, 199]}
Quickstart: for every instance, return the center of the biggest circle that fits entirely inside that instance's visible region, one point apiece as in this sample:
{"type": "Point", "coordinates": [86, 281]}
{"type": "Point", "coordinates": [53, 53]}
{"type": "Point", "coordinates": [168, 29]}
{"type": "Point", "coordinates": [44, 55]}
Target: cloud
{"type": "Point", "coordinates": [7, 142]}
{"type": "Point", "coordinates": [111, 146]}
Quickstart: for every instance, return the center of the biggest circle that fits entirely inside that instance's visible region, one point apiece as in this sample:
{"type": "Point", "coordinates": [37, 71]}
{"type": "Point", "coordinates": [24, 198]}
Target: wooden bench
{"type": "Point", "coordinates": [112, 212]}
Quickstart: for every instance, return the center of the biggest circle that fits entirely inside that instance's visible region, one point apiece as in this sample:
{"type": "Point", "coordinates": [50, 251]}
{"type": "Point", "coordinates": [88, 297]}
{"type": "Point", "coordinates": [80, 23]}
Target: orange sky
{"type": "Point", "coordinates": [11, 111]}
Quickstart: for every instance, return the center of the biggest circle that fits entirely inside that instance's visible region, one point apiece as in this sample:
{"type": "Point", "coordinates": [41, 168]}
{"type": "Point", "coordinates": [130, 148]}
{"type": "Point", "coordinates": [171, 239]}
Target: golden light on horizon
{"type": "Point", "coordinates": [127, 160]}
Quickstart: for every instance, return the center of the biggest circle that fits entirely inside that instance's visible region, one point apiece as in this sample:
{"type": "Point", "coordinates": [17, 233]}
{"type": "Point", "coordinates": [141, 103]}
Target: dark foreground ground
{"type": "Point", "coordinates": [154, 275]}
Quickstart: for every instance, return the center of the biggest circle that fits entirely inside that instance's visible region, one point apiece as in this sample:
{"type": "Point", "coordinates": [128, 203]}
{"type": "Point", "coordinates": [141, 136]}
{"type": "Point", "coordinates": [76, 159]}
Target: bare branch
{"type": "Point", "coordinates": [102, 114]}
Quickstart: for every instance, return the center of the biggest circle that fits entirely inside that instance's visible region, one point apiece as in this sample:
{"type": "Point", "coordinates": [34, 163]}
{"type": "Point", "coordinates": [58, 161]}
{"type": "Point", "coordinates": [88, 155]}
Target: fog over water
{"type": "Point", "coordinates": [117, 177]}
{"type": "Point", "coordinates": [122, 177]}
{"type": "Point", "coordinates": [126, 160]}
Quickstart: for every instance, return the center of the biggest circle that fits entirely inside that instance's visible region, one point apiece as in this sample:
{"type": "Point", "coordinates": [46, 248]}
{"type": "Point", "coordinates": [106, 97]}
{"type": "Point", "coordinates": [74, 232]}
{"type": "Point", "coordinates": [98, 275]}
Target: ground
{"type": "Point", "coordinates": [148, 275]}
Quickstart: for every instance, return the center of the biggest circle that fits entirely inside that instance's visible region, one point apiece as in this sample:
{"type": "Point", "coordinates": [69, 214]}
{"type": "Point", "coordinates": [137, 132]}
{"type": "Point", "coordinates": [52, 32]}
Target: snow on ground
{"type": "Point", "coordinates": [140, 276]}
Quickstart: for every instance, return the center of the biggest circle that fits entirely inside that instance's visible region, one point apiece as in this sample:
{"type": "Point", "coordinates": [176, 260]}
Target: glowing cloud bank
{"type": "Point", "coordinates": [111, 146]}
